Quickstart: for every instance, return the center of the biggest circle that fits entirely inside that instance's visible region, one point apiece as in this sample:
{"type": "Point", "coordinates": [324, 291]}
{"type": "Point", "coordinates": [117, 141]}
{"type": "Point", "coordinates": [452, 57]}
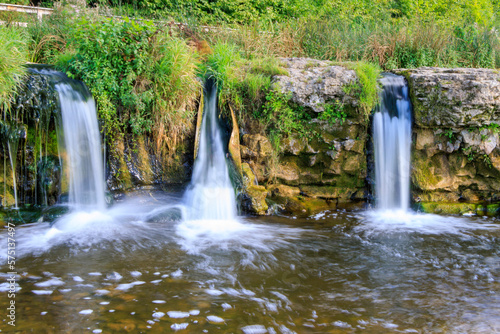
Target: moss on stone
{"type": "Point", "coordinates": [257, 196]}
{"type": "Point", "coordinates": [448, 208]}
{"type": "Point", "coordinates": [422, 175]}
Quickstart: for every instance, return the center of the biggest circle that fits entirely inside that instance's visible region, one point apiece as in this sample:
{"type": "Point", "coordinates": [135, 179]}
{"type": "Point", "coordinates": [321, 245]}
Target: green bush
{"type": "Point", "coordinates": [112, 58]}
{"type": "Point", "coordinates": [142, 78]}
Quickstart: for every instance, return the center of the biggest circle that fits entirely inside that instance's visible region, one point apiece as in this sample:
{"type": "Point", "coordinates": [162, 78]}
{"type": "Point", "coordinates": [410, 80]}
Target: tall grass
{"type": "Point", "coordinates": [390, 44]}
{"type": "Point", "coordinates": [49, 38]}
{"type": "Point", "coordinates": [13, 55]}
{"type": "Point", "coordinates": [175, 88]}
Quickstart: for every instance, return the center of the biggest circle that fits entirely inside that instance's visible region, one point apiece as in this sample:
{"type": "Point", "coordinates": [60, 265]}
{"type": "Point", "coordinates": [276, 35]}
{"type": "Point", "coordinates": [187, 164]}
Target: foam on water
{"type": "Point", "coordinates": [401, 221]}
{"type": "Point", "coordinates": [199, 235]}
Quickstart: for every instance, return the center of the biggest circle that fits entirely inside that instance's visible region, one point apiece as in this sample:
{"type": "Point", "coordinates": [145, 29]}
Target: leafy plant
{"type": "Point", "coordinates": [334, 113]}
{"type": "Point", "coordinates": [280, 118]}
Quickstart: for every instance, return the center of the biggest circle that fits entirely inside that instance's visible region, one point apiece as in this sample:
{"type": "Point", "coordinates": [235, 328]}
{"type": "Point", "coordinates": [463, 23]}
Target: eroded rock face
{"type": "Point", "coordinates": [456, 135]}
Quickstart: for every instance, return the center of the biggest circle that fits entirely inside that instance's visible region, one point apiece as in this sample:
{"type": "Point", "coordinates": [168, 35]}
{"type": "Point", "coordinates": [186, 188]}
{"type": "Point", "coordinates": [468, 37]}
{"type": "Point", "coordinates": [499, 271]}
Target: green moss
{"type": "Point", "coordinates": [422, 175]}
{"type": "Point", "coordinates": [448, 208]}
{"type": "Point", "coordinates": [345, 180]}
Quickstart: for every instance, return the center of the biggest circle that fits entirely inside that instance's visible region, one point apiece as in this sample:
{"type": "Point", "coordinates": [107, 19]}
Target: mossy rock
{"type": "Point", "coordinates": [305, 206]}
{"type": "Point", "coordinates": [257, 196]}
{"type": "Point", "coordinates": [448, 208]}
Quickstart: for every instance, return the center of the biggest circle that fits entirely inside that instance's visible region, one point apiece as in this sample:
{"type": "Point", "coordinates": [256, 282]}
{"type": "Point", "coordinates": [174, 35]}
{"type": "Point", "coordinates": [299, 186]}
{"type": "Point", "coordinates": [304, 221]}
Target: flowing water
{"type": "Point", "coordinates": [147, 271]}
{"type": "Point", "coordinates": [161, 262]}
{"type": "Point", "coordinates": [210, 196]}
{"type": "Point", "coordinates": [83, 146]}
{"type": "Point", "coordinates": [392, 144]}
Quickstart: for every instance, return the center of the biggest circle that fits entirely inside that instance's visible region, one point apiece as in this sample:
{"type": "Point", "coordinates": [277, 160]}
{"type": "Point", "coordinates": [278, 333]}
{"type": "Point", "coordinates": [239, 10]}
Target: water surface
{"type": "Point", "coordinates": [138, 267]}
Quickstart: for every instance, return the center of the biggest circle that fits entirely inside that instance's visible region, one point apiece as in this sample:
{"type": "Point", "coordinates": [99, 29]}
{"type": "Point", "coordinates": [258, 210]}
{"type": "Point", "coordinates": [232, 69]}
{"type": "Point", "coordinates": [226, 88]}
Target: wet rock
{"type": "Point", "coordinates": [448, 208]}
{"type": "Point", "coordinates": [257, 196]}
{"type": "Point", "coordinates": [234, 142]}
{"type": "Point", "coordinates": [254, 199]}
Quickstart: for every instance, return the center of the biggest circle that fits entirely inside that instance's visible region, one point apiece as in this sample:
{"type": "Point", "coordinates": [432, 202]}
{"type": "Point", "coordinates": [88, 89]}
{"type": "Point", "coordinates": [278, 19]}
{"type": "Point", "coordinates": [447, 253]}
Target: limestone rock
{"type": "Point", "coordinates": [312, 83]}
{"type": "Point", "coordinates": [258, 196]}
{"type": "Point", "coordinates": [284, 191]}
{"type": "Point", "coordinates": [459, 97]}
{"type": "Point", "coordinates": [288, 173]}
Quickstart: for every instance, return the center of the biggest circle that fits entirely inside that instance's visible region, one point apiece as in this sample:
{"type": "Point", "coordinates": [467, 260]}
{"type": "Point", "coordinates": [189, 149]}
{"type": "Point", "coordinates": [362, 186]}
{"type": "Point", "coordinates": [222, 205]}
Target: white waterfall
{"type": "Point", "coordinates": [83, 147]}
{"type": "Point", "coordinates": [392, 144]}
{"type": "Point", "coordinates": [210, 196]}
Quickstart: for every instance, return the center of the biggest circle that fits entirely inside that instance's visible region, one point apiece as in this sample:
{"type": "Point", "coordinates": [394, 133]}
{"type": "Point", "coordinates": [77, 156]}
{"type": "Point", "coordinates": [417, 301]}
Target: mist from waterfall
{"type": "Point", "coordinates": [392, 145]}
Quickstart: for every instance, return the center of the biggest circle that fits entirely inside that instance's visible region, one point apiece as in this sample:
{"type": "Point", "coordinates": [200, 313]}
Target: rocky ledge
{"type": "Point", "coordinates": [456, 151]}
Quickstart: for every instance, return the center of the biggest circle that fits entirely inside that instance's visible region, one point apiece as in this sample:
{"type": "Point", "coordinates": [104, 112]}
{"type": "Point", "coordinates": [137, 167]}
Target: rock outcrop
{"type": "Point", "coordinates": [456, 151]}
{"type": "Point", "coordinates": [326, 168]}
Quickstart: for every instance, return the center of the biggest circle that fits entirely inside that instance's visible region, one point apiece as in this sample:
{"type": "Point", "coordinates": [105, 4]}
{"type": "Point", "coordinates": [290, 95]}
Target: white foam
{"type": "Point", "coordinates": [214, 292]}
{"type": "Point", "coordinates": [178, 327]}
{"type": "Point", "coordinates": [254, 329]}
{"type": "Point", "coordinates": [127, 286]}
{"type": "Point", "coordinates": [135, 273]}
{"type": "Point", "coordinates": [215, 319]}
{"type": "Point", "coordinates": [51, 282]}
{"type": "Point", "coordinates": [398, 221]}
{"type": "Point", "coordinates": [42, 292]}
{"type": "Point", "coordinates": [177, 273]}
{"type": "Point", "coordinates": [4, 287]}
{"type": "Point", "coordinates": [178, 314]}
{"type": "Point", "coordinates": [158, 315]}
{"type": "Point", "coordinates": [86, 312]}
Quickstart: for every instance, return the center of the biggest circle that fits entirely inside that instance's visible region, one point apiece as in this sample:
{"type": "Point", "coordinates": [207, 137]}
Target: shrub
{"type": "Point", "coordinates": [142, 77]}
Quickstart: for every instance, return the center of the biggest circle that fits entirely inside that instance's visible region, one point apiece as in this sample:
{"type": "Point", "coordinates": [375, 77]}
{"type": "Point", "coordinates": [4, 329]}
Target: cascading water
{"type": "Point", "coordinates": [83, 147]}
{"type": "Point", "coordinates": [392, 144]}
{"type": "Point", "coordinates": [210, 196]}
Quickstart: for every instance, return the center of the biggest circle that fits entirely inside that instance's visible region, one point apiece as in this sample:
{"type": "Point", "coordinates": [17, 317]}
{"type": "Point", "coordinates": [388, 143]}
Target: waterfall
{"type": "Point", "coordinates": [83, 147]}
{"type": "Point", "coordinates": [210, 195]}
{"type": "Point", "coordinates": [392, 144]}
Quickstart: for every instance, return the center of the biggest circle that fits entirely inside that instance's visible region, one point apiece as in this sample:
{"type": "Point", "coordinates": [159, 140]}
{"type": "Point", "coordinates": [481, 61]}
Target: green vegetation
{"type": "Point", "coordinates": [334, 113]}
{"type": "Point", "coordinates": [145, 75]}
{"type": "Point", "coordinates": [280, 118]}
{"type": "Point", "coordinates": [142, 77]}
{"type": "Point", "coordinates": [13, 56]}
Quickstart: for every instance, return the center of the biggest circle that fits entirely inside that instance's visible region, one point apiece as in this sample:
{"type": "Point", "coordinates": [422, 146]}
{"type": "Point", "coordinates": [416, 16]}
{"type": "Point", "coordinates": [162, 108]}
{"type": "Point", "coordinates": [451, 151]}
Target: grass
{"type": "Point", "coordinates": [13, 56]}
{"type": "Point", "coordinates": [146, 77]}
